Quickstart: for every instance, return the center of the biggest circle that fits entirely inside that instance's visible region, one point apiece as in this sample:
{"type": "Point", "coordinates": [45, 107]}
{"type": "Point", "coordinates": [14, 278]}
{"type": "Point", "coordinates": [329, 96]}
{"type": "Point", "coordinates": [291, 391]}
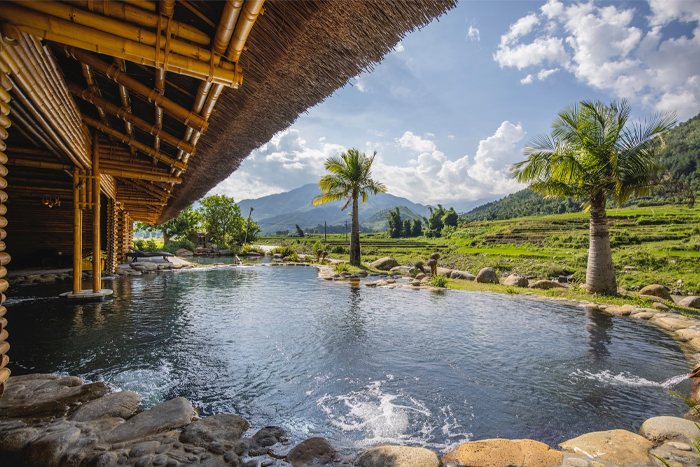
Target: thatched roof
{"type": "Point", "coordinates": [298, 54]}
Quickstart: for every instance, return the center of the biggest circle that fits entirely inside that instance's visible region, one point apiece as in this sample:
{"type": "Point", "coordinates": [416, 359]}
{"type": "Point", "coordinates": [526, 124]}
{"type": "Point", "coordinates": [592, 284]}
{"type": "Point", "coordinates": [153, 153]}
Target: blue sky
{"type": "Point", "coordinates": [450, 109]}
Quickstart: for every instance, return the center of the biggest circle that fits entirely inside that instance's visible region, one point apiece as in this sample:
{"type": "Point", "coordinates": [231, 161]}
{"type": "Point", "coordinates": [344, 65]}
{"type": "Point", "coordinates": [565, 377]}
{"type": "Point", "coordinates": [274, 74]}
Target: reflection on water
{"type": "Point", "coordinates": [358, 366]}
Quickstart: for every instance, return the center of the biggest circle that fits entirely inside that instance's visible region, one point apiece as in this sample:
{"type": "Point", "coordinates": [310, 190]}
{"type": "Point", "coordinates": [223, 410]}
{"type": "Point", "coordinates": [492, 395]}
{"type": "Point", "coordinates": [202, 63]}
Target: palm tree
{"type": "Point", "coordinates": [350, 178]}
{"type": "Point", "coordinates": [595, 156]}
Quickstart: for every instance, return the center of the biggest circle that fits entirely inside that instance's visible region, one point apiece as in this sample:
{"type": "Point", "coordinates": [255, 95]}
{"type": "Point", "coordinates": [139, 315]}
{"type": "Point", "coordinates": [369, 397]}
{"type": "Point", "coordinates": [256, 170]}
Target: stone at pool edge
{"type": "Point", "coordinates": [397, 456]}
{"type": "Point", "coordinates": [516, 280]}
{"type": "Point", "coordinates": [487, 276]}
{"type": "Point", "coordinates": [690, 302]}
{"type": "Point", "coordinates": [313, 452]}
{"type": "Point", "coordinates": [222, 428]}
{"type": "Point", "coordinates": [664, 428]}
{"type": "Point", "coordinates": [656, 290]}
{"type": "Point", "coordinates": [121, 404]}
{"type": "Point", "coordinates": [505, 453]}
{"type": "Point", "coordinates": [171, 414]}
{"type": "Point", "coordinates": [619, 447]}
{"type": "Point", "coordinates": [384, 264]}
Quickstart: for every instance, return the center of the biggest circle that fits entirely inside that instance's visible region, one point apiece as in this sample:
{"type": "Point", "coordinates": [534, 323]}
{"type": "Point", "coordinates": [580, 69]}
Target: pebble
{"type": "Point", "coordinates": [160, 460]}
{"type": "Point", "coordinates": [162, 449]}
{"type": "Point", "coordinates": [172, 463]}
{"type": "Point", "coordinates": [143, 461]}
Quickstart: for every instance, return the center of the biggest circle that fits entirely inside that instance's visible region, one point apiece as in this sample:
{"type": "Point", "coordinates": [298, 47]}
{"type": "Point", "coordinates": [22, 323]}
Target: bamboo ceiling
{"type": "Point", "coordinates": [178, 92]}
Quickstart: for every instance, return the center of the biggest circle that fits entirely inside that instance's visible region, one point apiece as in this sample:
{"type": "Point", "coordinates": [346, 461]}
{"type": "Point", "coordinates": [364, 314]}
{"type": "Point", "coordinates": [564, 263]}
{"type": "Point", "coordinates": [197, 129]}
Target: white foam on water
{"type": "Point", "coordinates": [621, 379]}
{"type": "Point", "coordinates": [391, 418]}
{"type": "Point", "coordinates": [669, 383]}
{"type": "Point", "coordinates": [152, 385]}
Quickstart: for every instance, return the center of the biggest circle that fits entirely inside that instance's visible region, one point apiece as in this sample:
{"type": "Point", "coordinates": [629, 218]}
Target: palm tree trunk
{"type": "Point", "coordinates": [355, 233]}
{"type": "Point", "coordinates": [600, 274]}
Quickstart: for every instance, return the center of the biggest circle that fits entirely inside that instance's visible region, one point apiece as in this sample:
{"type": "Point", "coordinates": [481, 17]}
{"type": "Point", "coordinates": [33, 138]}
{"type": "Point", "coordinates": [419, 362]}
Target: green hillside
{"type": "Point", "coordinates": [521, 204]}
{"type": "Point", "coordinates": [379, 223]}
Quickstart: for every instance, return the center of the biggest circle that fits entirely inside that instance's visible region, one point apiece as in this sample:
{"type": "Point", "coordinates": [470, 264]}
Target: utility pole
{"type": "Point", "coordinates": [246, 226]}
{"type": "Point", "coordinates": [346, 230]}
{"type": "Point", "coordinates": [325, 231]}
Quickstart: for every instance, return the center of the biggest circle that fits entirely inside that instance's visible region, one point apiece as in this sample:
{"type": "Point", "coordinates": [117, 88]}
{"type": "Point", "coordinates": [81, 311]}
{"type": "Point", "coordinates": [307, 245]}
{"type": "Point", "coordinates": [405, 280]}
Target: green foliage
{"type": "Point", "coordinates": [522, 204]}
{"type": "Point", "coordinates": [294, 258]}
{"type": "Point", "coordinates": [438, 281]}
{"type": "Point", "coordinates": [393, 217]}
{"type": "Point", "coordinates": [183, 225]}
{"type": "Point", "coordinates": [450, 218]}
{"type": "Point", "coordinates": [406, 229]}
{"type": "Point", "coordinates": [283, 251]}
{"type": "Point", "coordinates": [435, 224]}
{"type": "Point", "coordinates": [222, 219]}
{"type": "Point", "coordinates": [417, 228]}
{"type": "Point", "coordinates": [341, 267]}
{"type": "Point", "coordinates": [174, 245]}
{"type": "Point", "coordinates": [246, 249]}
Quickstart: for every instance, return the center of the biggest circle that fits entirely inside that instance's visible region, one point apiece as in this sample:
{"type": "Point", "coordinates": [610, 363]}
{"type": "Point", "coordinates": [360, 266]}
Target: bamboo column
{"type": "Point", "coordinates": [77, 234]}
{"type": "Point", "coordinates": [96, 251]}
{"type": "Point", "coordinates": [4, 257]}
{"type": "Point", "coordinates": [111, 246]}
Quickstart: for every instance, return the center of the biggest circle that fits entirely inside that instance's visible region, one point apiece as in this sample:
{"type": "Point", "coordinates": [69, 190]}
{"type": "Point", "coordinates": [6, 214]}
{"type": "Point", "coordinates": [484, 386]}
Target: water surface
{"type": "Point", "coordinates": [277, 345]}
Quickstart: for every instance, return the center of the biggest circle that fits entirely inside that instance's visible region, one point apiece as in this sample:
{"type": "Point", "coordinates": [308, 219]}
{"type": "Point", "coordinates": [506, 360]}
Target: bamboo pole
{"type": "Point", "coordinates": [173, 109]}
{"type": "Point", "coordinates": [133, 142]}
{"type": "Point", "coordinates": [52, 28]}
{"type": "Point", "coordinates": [4, 259]}
{"type": "Point", "coordinates": [38, 164]}
{"type": "Point", "coordinates": [232, 9]}
{"type": "Point", "coordinates": [141, 175]}
{"type": "Point", "coordinates": [126, 103]}
{"type": "Point", "coordinates": [96, 249]}
{"type": "Point", "coordinates": [249, 14]}
{"type": "Point", "coordinates": [92, 84]}
{"type": "Point", "coordinates": [112, 26]}
{"type": "Point", "coordinates": [133, 14]}
{"type": "Point", "coordinates": [124, 114]}
{"type": "Point", "coordinates": [77, 234]}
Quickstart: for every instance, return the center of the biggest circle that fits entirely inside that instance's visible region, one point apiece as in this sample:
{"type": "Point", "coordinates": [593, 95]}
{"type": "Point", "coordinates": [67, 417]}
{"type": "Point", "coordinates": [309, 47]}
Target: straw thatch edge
{"type": "Point", "coordinates": [299, 54]}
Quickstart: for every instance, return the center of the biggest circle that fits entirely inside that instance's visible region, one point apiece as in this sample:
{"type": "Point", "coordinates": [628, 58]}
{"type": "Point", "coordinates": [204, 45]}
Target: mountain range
{"type": "Point", "coordinates": [283, 211]}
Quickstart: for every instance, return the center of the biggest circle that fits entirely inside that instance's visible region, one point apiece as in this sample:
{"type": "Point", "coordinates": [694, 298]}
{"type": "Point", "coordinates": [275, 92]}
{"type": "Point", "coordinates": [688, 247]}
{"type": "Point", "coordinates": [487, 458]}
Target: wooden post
{"type": "Point", "coordinates": [96, 250]}
{"type": "Point", "coordinates": [77, 234]}
{"type": "Point", "coordinates": [4, 257]}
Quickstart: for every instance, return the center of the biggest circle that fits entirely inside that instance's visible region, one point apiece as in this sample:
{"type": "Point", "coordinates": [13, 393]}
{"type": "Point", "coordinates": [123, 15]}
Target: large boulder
{"type": "Point", "coordinates": [313, 452]}
{"type": "Point", "coordinates": [545, 284]}
{"type": "Point", "coordinates": [174, 413]}
{"type": "Point", "coordinates": [673, 323]}
{"type": "Point", "coordinates": [516, 280]}
{"type": "Point", "coordinates": [384, 264]}
{"type": "Point", "coordinates": [464, 275]}
{"type": "Point", "coordinates": [619, 447]}
{"type": "Point", "coordinates": [690, 302]}
{"type": "Point", "coordinates": [656, 290]}
{"type": "Point", "coordinates": [223, 429]}
{"type": "Point", "coordinates": [505, 453]}
{"type": "Point", "coordinates": [487, 276]}
{"type": "Point", "coordinates": [660, 429]}
{"type": "Point", "coordinates": [184, 252]}
{"type": "Point", "coordinates": [398, 456]}
{"type": "Point", "coordinates": [444, 272]}
{"type": "Point", "coordinates": [120, 404]}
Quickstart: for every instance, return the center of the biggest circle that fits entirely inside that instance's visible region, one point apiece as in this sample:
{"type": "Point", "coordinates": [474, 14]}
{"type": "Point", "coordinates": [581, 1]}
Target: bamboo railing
{"type": "Point", "coordinates": [4, 257]}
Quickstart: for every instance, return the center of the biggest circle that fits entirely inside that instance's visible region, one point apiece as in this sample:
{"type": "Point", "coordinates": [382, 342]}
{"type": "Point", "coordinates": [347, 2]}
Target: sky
{"type": "Point", "coordinates": [452, 106]}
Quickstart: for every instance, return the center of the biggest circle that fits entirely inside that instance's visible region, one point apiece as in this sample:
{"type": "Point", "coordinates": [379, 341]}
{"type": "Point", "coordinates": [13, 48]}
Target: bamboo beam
{"type": "Point", "coordinates": [136, 15]}
{"type": "Point", "coordinates": [251, 10]}
{"type": "Point", "coordinates": [38, 164]}
{"type": "Point", "coordinates": [112, 26]}
{"type": "Point", "coordinates": [133, 142]}
{"type": "Point", "coordinates": [52, 28]}
{"type": "Point", "coordinates": [77, 234]}
{"type": "Point", "coordinates": [141, 175]}
{"type": "Point", "coordinates": [173, 109]}
{"type": "Point", "coordinates": [191, 6]}
{"type": "Point", "coordinates": [125, 115]}
{"type": "Point", "coordinates": [96, 247]}
{"type": "Point", "coordinates": [126, 103]}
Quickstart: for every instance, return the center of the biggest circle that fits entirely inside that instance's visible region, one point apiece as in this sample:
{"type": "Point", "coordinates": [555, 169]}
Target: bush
{"type": "Point", "coordinates": [174, 245]}
{"type": "Point", "coordinates": [139, 244]}
{"type": "Point", "coordinates": [339, 249]}
{"type": "Point", "coordinates": [294, 258]}
{"type": "Point", "coordinates": [284, 251]}
{"type": "Point", "coordinates": [150, 245]}
{"type": "Point", "coordinates": [245, 249]}
{"type": "Point", "coordinates": [438, 281]}
{"type": "Point", "coordinates": [341, 267]}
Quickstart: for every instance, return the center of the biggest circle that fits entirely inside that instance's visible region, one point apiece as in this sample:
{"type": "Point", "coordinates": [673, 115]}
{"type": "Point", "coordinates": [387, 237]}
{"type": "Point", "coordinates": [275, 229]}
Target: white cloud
{"type": "Point", "coordinates": [605, 48]}
{"type": "Point", "coordinates": [431, 177]}
{"type": "Point", "coordinates": [285, 163]}
{"type": "Point", "coordinates": [451, 136]}
{"type": "Point", "coordinates": [360, 84]}
{"type": "Point", "coordinates": [473, 34]}
{"type": "Point", "coordinates": [526, 80]}
{"type": "Point", "coordinates": [399, 47]}
{"type": "Point", "coordinates": [544, 73]}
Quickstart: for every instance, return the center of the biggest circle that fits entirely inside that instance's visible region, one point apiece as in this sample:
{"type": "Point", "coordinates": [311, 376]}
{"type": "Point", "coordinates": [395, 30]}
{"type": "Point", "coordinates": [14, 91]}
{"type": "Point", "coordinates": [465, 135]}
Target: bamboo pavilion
{"type": "Point", "coordinates": [119, 111]}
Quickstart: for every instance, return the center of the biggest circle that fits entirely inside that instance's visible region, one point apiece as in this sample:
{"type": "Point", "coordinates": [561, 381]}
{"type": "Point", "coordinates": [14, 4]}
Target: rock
{"type": "Point", "coordinates": [145, 266]}
{"type": "Point", "coordinates": [313, 452]}
{"type": "Point", "coordinates": [690, 302]}
{"type": "Point", "coordinates": [505, 453]}
{"type": "Point", "coordinates": [14, 441]}
{"type": "Point", "coordinates": [619, 447]}
{"type": "Point", "coordinates": [398, 456]}
{"type": "Point", "coordinates": [415, 283]}
{"type": "Point", "coordinates": [516, 280]}
{"type": "Point", "coordinates": [48, 450]}
{"type": "Point", "coordinates": [575, 462]}
{"type": "Point", "coordinates": [216, 428]}
{"type": "Point", "coordinates": [425, 280]}
{"type": "Point", "coordinates": [420, 276]}
{"type": "Point", "coordinates": [384, 264]}
{"type": "Point", "coordinates": [487, 276]}
{"type": "Point", "coordinates": [644, 315]}
{"type": "Point", "coordinates": [269, 435]}
{"type": "Point", "coordinates": [120, 404]}
{"type": "Point", "coordinates": [672, 454]}
{"type": "Point", "coordinates": [624, 310]}
{"type": "Point", "coordinates": [660, 429]}
{"type": "Point", "coordinates": [225, 252]}
{"type": "Point", "coordinates": [688, 334]}
{"type": "Point", "coordinates": [545, 285]}
{"type": "Point", "coordinates": [166, 416]}
{"type": "Point", "coordinates": [673, 324]}
{"type": "Point", "coordinates": [660, 306]}
{"type": "Point", "coordinates": [463, 275]}
{"type": "Point", "coordinates": [444, 272]}
{"type": "Point", "coordinates": [656, 290]}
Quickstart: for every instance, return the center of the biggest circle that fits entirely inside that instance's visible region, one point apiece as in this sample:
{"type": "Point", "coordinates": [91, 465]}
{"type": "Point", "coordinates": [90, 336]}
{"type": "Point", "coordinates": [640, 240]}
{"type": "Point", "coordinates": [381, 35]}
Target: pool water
{"type": "Point", "coordinates": [358, 366]}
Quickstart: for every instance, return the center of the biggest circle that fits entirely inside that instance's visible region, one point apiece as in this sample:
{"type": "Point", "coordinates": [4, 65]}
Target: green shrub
{"type": "Point", "coordinates": [139, 244]}
{"type": "Point", "coordinates": [283, 251]}
{"type": "Point", "coordinates": [294, 258]}
{"type": "Point", "coordinates": [438, 281]}
{"type": "Point", "coordinates": [150, 245]}
{"type": "Point", "coordinates": [341, 267]}
{"type": "Point", "coordinates": [339, 249]}
{"type": "Point", "coordinates": [173, 245]}
{"type": "Point", "coordinates": [245, 249]}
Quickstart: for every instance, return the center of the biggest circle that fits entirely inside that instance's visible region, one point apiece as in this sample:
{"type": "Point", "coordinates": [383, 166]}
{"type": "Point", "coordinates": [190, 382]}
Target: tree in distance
{"type": "Point", "coordinates": [350, 178]}
{"type": "Point", "coordinates": [222, 219]}
{"type": "Point", "coordinates": [594, 155]}
{"type": "Point", "coordinates": [300, 233]}
{"type": "Point", "coordinates": [182, 226]}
